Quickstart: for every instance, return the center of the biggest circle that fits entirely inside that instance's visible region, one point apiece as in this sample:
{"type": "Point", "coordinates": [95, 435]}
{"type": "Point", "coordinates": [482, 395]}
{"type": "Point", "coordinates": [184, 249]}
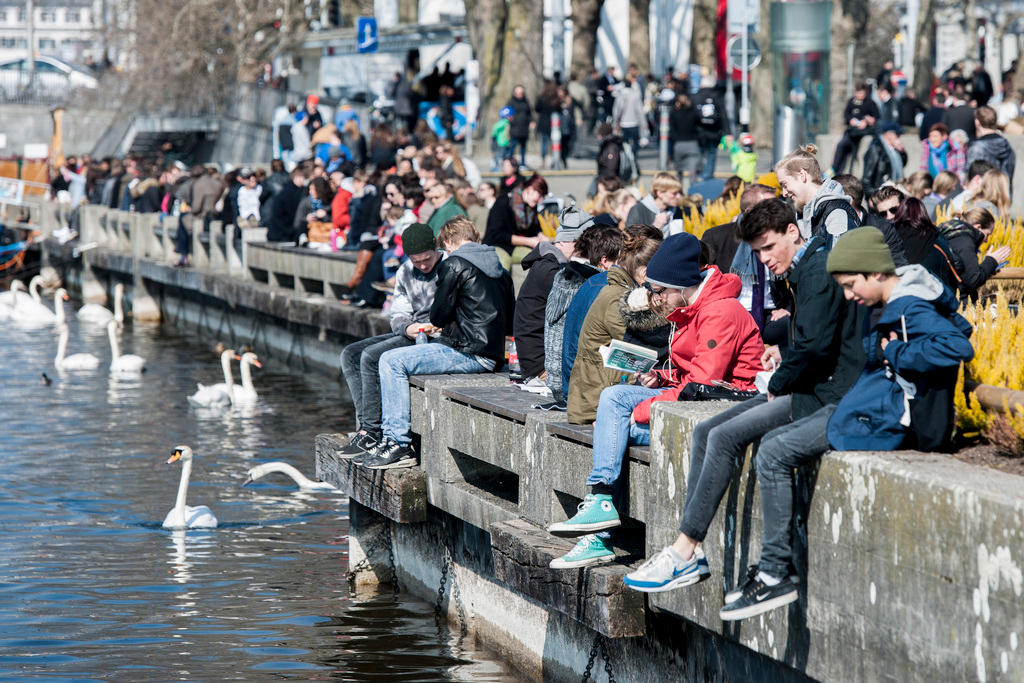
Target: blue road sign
{"type": "Point", "coordinates": [366, 34]}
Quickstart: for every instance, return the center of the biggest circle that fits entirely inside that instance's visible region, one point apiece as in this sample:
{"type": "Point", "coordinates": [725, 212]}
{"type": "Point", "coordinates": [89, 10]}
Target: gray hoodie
{"type": "Point", "coordinates": [483, 257]}
{"type": "Point", "coordinates": [414, 294]}
{"type": "Point", "coordinates": [836, 221]}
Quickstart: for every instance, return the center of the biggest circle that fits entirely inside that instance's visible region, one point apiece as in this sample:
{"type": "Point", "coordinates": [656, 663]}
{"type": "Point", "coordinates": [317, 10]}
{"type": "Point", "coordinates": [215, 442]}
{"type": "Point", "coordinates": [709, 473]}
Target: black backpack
{"type": "Point", "coordinates": [710, 117]}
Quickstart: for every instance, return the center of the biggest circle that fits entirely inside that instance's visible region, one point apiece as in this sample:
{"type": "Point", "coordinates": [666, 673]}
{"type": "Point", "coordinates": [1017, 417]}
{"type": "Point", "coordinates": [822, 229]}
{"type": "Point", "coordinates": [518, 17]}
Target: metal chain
{"type": "Point", "coordinates": [364, 563]}
{"type": "Point", "coordinates": [448, 569]}
{"type": "Point", "coordinates": [599, 645]}
{"type": "Point", "coordinates": [391, 557]}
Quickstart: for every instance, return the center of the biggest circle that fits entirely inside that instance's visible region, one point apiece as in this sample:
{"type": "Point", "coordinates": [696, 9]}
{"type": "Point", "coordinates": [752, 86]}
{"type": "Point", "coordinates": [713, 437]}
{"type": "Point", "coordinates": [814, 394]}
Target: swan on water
{"type": "Point", "coordinates": [100, 315]}
{"type": "Point", "coordinates": [34, 313]}
{"type": "Point", "coordinates": [76, 361]}
{"type": "Point", "coordinates": [128, 364]}
{"type": "Point", "coordinates": [184, 516]}
{"type": "Point", "coordinates": [17, 293]}
{"type": "Point", "coordinates": [246, 392]}
{"type": "Point", "coordinates": [217, 395]}
{"type": "Point", "coordinates": [284, 468]}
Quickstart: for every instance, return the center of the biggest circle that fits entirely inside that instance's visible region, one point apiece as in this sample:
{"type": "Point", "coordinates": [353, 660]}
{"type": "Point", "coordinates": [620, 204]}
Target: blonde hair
{"type": "Point", "coordinates": [618, 198]}
{"type": "Point", "coordinates": [458, 229]}
{"type": "Point", "coordinates": [918, 184]}
{"type": "Point", "coordinates": [945, 182]}
{"type": "Point", "coordinates": [665, 181]}
{"type": "Point", "coordinates": [995, 188]}
{"type": "Point", "coordinates": [979, 217]}
{"type": "Point", "coordinates": [802, 159]}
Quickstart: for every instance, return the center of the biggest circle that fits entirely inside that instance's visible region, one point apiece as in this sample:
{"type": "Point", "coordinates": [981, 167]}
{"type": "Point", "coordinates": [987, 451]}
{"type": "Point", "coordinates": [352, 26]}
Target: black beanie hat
{"type": "Point", "coordinates": [418, 238]}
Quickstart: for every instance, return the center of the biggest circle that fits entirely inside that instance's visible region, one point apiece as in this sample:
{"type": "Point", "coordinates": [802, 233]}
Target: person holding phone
{"type": "Point", "coordinates": [965, 235]}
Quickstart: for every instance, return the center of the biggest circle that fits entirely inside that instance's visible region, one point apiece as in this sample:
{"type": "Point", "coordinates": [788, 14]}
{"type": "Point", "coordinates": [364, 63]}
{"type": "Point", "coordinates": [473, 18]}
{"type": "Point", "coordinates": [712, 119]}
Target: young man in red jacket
{"type": "Point", "coordinates": [715, 339]}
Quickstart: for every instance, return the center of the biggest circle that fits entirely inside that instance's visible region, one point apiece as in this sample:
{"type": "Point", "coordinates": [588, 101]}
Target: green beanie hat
{"type": "Point", "coordinates": [861, 250]}
{"type": "Point", "coordinates": [418, 238]}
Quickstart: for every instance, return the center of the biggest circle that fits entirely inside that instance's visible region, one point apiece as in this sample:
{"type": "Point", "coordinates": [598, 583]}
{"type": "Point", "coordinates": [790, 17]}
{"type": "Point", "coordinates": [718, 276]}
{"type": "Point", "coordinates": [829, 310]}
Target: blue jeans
{"type": "Point", "coordinates": [717, 447]}
{"type": "Point", "coordinates": [520, 144]}
{"type": "Point", "coordinates": [710, 153]}
{"type": "Point", "coordinates": [782, 450]}
{"type": "Point", "coordinates": [395, 368]}
{"type": "Point", "coordinates": [360, 363]}
{"type": "Point", "coordinates": [613, 431]}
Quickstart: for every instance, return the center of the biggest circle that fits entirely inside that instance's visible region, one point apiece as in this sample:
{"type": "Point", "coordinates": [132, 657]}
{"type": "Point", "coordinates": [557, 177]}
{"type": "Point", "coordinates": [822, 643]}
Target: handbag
{"type": "Point", "coordinates": [694, 391]}
{"type": "Point", "coordinates": [319, 231]}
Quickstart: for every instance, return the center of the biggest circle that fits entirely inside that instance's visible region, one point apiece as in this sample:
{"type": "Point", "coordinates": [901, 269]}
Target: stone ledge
{"type": "Point", "coordinates": [594, 596]}
{"type": "Point", "coordinates": [399, 495]}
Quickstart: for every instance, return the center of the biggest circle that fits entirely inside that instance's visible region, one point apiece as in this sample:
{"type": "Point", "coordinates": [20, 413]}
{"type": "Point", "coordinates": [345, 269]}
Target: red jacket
{"type": "Point", "coordinates": [715, 338]}
{"type": "Point", "coordinates": [339, 209]}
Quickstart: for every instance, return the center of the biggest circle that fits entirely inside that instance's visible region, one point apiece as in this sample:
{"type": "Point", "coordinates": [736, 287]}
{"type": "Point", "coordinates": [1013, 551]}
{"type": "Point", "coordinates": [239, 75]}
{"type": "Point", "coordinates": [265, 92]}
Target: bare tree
{"type": "Point", "coordinates": [924, 40]}
{"type": "Point", "coordinates": [640, 34]}
{"type": "Point", "coordinates": [702, 39]}
{"type": "Point", "coordinates": [586, 18]}
{"type": "Point", "coordinates": [192, 53]}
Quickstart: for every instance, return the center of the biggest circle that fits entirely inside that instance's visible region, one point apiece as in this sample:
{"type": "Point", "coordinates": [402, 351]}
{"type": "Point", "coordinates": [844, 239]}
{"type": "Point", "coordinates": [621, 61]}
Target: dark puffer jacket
{"type": "Point", "coordinates": [824, 355]}
{"type": "Point", "coordinates": [474, 302]}
{"type": "Point", "coordinates": [994, 149]}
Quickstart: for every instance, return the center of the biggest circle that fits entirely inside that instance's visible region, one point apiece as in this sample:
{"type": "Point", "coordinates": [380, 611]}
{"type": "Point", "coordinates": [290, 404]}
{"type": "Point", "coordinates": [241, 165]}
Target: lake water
{"type": "Point", "coordinates": [91, 586]}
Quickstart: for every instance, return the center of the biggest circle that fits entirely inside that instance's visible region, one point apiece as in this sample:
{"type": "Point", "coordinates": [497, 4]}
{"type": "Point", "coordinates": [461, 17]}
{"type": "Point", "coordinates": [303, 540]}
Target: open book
{"type": "Point", "coordinates": [626, 357]}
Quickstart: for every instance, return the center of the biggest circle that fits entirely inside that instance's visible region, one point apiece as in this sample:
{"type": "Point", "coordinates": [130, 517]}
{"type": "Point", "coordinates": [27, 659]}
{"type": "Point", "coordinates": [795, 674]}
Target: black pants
{"type": "Point", "coordinates": [847, 145]}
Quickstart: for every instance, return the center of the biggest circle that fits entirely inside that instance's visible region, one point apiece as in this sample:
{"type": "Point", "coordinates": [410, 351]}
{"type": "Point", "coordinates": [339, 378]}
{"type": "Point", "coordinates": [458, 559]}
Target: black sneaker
{"type": "Point", "coordinates": [757, 598]}
{"type": "Point", "coordinates": [752, 571]}
{"type": "Point", "coordinates": [391, 455]}
{"type": "Point", "coordinates": [360, 443]}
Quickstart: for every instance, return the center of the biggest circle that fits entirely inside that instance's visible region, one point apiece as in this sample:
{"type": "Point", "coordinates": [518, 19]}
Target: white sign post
{"type": "Point", "coordinates": [744, 17]}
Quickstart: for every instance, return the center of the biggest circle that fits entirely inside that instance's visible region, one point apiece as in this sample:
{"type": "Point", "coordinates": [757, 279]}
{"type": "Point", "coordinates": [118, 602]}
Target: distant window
{"type": "Point", "coordinates": [3, 16]}
{"type": "Point", "coordinates": [47, 44]}
{"type": "Point", "coordinates": [48, 16]}
{"type": "Point", "coordinates": [8, 42]}
{"type": "Point", "coordinates": [21, 16]}
{"type": "Point", "coordinates": [73, 16]}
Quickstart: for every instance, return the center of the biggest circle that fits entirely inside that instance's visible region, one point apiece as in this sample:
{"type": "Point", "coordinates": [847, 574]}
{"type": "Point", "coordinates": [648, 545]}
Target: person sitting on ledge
{"type": "Point", "coordinates": [817, 367]}
{"type": "Point", "coordinates": [715, 339]}
{"type": "Point", "coordinates": [473, 310]}
{"type": "Point", "coordinates": [415, 284]}
{"type": "Point", "coordinates": [903, 399]}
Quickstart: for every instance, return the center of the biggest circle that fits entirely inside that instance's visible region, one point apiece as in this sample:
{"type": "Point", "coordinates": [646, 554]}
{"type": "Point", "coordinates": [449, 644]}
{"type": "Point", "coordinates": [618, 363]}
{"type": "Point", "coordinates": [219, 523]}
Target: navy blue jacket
{"type": "Point", "coordinates": [915, 409]}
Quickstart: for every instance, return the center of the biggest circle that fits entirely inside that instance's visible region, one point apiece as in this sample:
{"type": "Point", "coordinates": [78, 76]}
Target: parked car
{"type": "Point", "coordinates": [53, 77]}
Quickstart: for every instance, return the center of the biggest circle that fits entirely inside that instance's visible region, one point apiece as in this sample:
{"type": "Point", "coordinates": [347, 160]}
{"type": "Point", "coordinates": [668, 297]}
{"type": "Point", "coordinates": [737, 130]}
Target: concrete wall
{"type": "Point", "coordinates": [26, 124]}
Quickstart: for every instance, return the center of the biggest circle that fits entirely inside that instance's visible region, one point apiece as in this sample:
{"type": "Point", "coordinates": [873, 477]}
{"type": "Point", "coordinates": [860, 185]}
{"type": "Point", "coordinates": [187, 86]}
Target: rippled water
{"type": "Point", "coordinates": [91, 586]}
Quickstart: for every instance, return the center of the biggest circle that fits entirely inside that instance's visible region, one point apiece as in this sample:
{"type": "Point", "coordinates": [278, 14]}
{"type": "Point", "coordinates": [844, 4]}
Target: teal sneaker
{"type": "Point", "coordinates": [595, 513]}
{"type": "Point", "coordinates": [589, 550]}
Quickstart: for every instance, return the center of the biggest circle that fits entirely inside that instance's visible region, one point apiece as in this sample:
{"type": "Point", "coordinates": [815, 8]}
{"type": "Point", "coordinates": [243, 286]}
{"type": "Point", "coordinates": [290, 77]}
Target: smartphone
{"type": "Point", "coordinates": [1003, 264]}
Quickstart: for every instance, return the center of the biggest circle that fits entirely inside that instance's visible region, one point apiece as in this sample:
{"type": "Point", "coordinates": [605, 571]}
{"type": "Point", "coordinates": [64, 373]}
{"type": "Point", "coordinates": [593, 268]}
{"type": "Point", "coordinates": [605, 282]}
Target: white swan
{"type": "Point", "coordinates": [184, 516]}
{"type": "Point", "coordinates": [128, 364]}
{"type": "Point", "coordinates": [76, 361]}
{"type": "Point", "coordinates": [284, 468]}
{"type": "Point", "coordinates": [217, 395]}
{"type": "Point", "coordinates": [17, 293]}
{"type": "Point", "coordinates": [34, 313]}
{"type": "Point", "coordinates": [100, 315]}
{"type": "Point", "coordinates": [246, 391]}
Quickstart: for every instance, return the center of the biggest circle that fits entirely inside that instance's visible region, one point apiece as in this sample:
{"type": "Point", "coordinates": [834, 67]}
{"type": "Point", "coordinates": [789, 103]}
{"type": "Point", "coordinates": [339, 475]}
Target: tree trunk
{"type": "Point", "coordinates": [971, 26]}
{"type": "Point", "coordinates": [640, 34]}
{"type": "Point", "coordinates": [762, 100]}
{"type": "Point", "coordinates": [408, 11]}
{"type": "Point", "coordinates": [702, 40]}
{"type": "Point", "coordinates": [924, 40]}
{"type": "Point", "coordinates": [586, 18]}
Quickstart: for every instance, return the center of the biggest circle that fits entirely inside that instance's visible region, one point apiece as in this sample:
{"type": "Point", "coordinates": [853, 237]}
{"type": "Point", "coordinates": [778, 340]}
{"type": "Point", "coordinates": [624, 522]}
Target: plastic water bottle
{"type": "Point", "coordinates": [421, 338]}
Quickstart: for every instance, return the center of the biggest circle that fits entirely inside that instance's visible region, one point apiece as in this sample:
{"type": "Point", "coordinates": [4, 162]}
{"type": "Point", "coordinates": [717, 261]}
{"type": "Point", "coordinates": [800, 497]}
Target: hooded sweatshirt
{"type": "Point", "coordinates": [994, 149]}
{"type": "Point", "coordinates": [714, 339]}
{"type": "Point", "coordinates": [540, 265]}
{"type": "Point", "coordinates": [828, 213]}
{"type": "Point", "coordinates": [904, 396]}
{"type": "Point", "coordinates": [564, 286]}
{"type": "Point", "coordinates": [414, 295]}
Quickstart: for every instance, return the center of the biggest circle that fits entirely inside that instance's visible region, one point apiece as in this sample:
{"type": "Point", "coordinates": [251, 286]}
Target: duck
{"type": "Point", "coordinates": [128, 364]}
{"type": "Point", "coordinates": [284, 468]}
{"type": "Point", "coordinates": [184, 516]}
{"type": "Point", "coordinates": [76, 361]}
{"type": "Point", "coordinates": [100, 315]}
{"type": "Point", "coordinates": [217, 395]}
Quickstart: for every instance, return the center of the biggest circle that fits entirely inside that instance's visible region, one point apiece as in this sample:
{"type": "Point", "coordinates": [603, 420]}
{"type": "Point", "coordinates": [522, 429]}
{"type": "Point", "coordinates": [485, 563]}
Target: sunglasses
{"type": "Point", "coordinates": [653, 291]}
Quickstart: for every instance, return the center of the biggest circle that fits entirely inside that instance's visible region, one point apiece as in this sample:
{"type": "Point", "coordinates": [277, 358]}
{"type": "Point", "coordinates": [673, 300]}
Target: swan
{"type": "Point", "coordinates": [100, 315]}
{"type": "Point", "coordinates": [77, 361]}
{"type": "Point", "coordinates": [128, 364]}
{"type": "Point", "coordinates": [217, 395]}
{"type": "Point", "coordinates": [17, 293]}
{"type": "Point", "coordinates": [284, 468]}
{"type": "Point", "coordinates": [34, 313]}
{"type": "Point", "coordinates": [184, 516]}
{"type": "Point", "coordinates": [246, 392]}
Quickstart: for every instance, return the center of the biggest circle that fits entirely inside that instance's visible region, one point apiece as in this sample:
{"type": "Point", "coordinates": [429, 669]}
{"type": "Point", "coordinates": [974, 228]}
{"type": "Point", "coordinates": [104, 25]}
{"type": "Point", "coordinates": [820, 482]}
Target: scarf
{"type": "Point", "coordinates": [937, 158]}
{"type": "Point", "coordinates": [522, 212]}
{"type": "Point", "coordinates": [895, 161]}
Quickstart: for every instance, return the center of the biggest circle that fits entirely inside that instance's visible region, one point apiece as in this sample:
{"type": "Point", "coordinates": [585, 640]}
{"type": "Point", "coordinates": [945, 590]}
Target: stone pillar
{"type": "Point", "coordinates": [366, 535]}
{"type": "Point", "coordinates": [144, 307]}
